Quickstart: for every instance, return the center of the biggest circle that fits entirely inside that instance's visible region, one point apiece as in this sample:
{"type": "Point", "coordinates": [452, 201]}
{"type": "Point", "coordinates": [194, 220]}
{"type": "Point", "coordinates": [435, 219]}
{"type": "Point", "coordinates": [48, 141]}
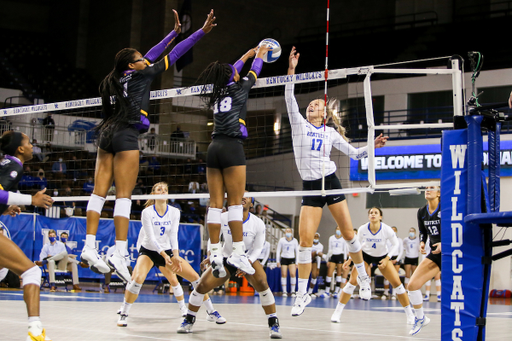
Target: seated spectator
{"type": "Point", "coordinates": [108, 275]}
{"type": "Point", "coordinates": [40, 180]}
{"type": "Point", "coordinates": [204, 187]}
{"type": "Point", "coordinates": [27, 180]}
{"type": "Point", "coordinates": [151, 139]}
{"type": "Point", "coordinates": [201, 167]}
{"type": "Point", "coordinates": [174, 203]}
{"type": "Point", "coordinates": [72, 262]}
{"type": "Point", "coordinates": [89, 186]}
{"type": "Point", "coordinates": [258, 210]}
{"type": "Point", "coordinates": [177, 134]}
{"type": "Point", "coordinates": [53, 253]}
{"type": "Point", "coordinates": [36, 151]}
{"type": "Point", "coordinates": [193, 187]}
{"type": "Point", "coordinates": [59, 166]}
{"type": "Point", "coordinates": [68, 206]}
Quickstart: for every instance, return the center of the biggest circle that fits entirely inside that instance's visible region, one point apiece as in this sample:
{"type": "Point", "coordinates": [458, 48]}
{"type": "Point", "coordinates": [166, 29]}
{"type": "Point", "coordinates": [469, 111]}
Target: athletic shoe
{"type": "Point", "coordinates": [119, 264]}
{"type": "Point", "coordinates": [215, 317]}
{"type": "Point", "coordinates": [325, 295]}
{"type": "Point", "coordinates": [119, 310]}
{"type": "Point", "coordinates": [301, 301]}
{"type": "Point", "coordinates": [335, 295]}
{"type": "Point", "coordinates": [122, 321]}
{"type": "Point", "coordinates": [418, 324]}
{"type": "Point", "coordinates": [312, 295]}
{"type": "Point", "coordinates": [411, 319]}
{"type": "Point", "coordinates": [384, 297]}
{"type": "Point", "coordinates": [393, 297]}
{"type": "Point", "coordinates": [91, 258]}
{"type": "Point", "coordinates": [37, 329]}
{"type": "Point", "coordinates": [241, 262]}
{"type": "Point", "coordinates": [293, 294]}
{"type": "Point", "coordinates": [426, 297]}
{"type": "Point", "coordinates": [184, 311]}
{"type": "Point", "coordinates": [365, 290]}
{"type": "Point", "coordinates": [285, 294]}
{"type": "Point", "coordinates": [186, 326]}
{"type": "Point", "coordinates": [336, 316]}
{"type": "Point", "coordinates": [438, 298]}
{"type": "Point", "coordinates": [275, 333]}
{"type": "Point", "coordinates": [216, 261]}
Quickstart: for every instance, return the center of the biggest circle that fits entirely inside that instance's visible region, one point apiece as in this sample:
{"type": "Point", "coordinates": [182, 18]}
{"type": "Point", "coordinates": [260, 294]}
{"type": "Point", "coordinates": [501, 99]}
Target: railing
{"type": "Point", "coordinates": [274, 232]}
{"type": "Point", "coordinates": [484, 11]}
{"type": "Point", "coordinates": [167, 147]}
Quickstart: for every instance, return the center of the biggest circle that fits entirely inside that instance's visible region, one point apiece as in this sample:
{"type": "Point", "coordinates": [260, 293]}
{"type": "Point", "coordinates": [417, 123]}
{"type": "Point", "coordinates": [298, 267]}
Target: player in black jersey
{"type": "Point", "coordinates": [128, 85]}
{"type": "Point", "coordinates": [429, 223]}
{"type": "Point", "coordinates": [17, 149]}
{"type": "Point", "coordinates": [225, 163]}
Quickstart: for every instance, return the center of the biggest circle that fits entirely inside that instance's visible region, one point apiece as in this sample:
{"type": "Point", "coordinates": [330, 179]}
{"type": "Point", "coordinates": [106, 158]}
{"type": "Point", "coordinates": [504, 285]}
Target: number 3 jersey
{"type": "Point", "coordinates": [309, 142]}
{"type": "Point", "coordinates": [430, 224]}
{"type": "Point", "coordinates": [375, 244]}
{"type": "Point", "coordinates": [159, 233]}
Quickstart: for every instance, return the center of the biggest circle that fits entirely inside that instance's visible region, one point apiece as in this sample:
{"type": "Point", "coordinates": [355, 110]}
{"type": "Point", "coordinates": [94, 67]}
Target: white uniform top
{"type": "Point", "coordinates": [318, 247]}
{"type": "Point", "coordinates": [309, 142]}
{"type": "Point", "coordinates": [412, 247]}
{"type": "Point", "coordinates": [400, 251]}
{"type": "Point", "coordinates": [287, 249]}
{"type": "Point", "coordinates": [375, 245]}
{"type": "Point", "coordinates": [160, 233]}
{"type": "Point", "coordinates": [265, 252]}
{"type": "Point", "coordinates": [254, 236]}
{"type": "Point", "coordinates": [337, 246]}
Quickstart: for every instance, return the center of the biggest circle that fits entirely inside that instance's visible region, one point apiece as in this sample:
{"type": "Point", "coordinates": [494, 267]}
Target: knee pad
{"type": "Point", "coordinates": [338, 279]}
{"type": "Point", "coordinates": [304, 255]}
{"type": "Point", "coordinates": [134, 287]}
{"type": "Point", "coordinates": [328, 279]}
{"type": "Point", "coordinates": [195, 283]}
{"type": "Point", "coordinates": [406, 280]}
{"type": "Point", "coordinates": [122, 208]}
{"type": "Point", "coordinates": [32, 276]}
{"type": "Point", "coordinates": [236, 213]}
{"type": "Point", "coordinates": [213, 216]}
{"type": "Point", "coordinates": [3, 273]}
{"type": "Point", "coordinates": [196, 299]}
{"type": "Point", "coordinates": [354, 246]}
{"type": "Point", "coordinates": [313, 281]}
{"type": "Point", "coordinates": [95, 203]}
{"type": "Point", "coordinates": [178, 290]}
{"type": "Point", "coordinates": [349, 289]}
{"type": "Point", "coordinates": [266, 297]}
{"type": "Point", "coordinates": [416, 297]}
{"type": "Point", "coordinates": [386, 282]}
{"type": "Point", "coordinates": [343, 280]}
{"type": "Point", "coordinates": [438, 282]}
{"type": "Point", "coordinates": [399, 290]}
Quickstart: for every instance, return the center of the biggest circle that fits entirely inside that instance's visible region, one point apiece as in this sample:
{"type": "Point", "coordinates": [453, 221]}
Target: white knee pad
{"type": "Point", "coordinates": [3, 273]}
{"type": "Point", "coordinates": [313, 281]}
{"type": "Point", "coordinates": [354, 246]}
{"type": "Point", "coordinates": [134, 287]}
{"type": "Point", "coordinates": [416, 297]}
{"type": "Point", "coordinates": [438, 282]}
{"type": "Point", "coordinates": [195, 283]}
{"type": "Point", "coordinates": [349, 289]}
{"type": "Point", "coordinates": [95, 203]}
{"type": "Point", "coordinates": [386, 282]}
{"type": "Point", "coordinates": [266, 297]}
{"type": "Point", "coordinates": [32, 276]}
{"type": "Point", "coordinates": [123, 207]}
{"type": "Point", "coordinates": [406, 280]}
{"type": "Point", "coordinates": [338, 279]}
{"type": "Point", "coordinates": [213, 216]}
{"type": "Point", "coordinates": [196, 299]}
{"type": "Point", "coordinates": [304, 255]}
{"type": "Point", "coordinates": [178, 290]}
{"type": "Point", "coordinates": [236, 213]}
{"type": "Point", "coordinates": [399, 290]}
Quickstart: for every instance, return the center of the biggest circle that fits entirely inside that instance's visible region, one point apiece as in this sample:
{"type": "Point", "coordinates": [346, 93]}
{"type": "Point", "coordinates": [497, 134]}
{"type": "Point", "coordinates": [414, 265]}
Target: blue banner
{"type": "Point", "coordinates": [417, 162]}
{"type": "Point", "coordinates": [30, 234]}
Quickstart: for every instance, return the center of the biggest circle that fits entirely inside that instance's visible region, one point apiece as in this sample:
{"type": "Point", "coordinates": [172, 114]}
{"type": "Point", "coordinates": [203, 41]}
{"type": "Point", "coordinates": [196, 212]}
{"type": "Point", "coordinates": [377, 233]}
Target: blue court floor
{"type": "Point", "coordinates": [92, 316]}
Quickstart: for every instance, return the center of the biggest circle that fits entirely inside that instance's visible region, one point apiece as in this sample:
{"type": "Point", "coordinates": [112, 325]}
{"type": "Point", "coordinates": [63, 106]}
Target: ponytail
{"type": "Point", "coordinates": [217, 76]}
{"type": "Point", "coordinates": [332, 119]}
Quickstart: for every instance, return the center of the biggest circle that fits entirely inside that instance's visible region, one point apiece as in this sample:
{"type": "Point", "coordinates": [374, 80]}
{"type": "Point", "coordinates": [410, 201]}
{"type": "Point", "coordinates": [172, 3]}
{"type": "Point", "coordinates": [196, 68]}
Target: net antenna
{"type": "Point", "coordinates": [326, 76]}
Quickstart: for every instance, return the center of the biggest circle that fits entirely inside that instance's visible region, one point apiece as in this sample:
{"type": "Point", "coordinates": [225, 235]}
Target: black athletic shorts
{"type": "Point", "coordinates": [224, 152]}
{"type": "Point", "coordinates": [411, 261]}
{"type": "Point", "coordinates": [331, 182]}
{"type": "Point", "coordinates": [338, 259]}
{"type": "Point", "coordinates": [287, 261]}
{"type": "Point", "coordinates": [372, 260]}
{"type": "Point", "coordinates": [155, 257]}
{"type": "Point", "coordinates": [121, 140]}
{"type": "Point", "coordinates": [436, 258]}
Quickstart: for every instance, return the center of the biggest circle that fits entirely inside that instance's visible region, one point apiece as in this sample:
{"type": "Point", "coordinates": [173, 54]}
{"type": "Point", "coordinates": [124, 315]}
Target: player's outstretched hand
{"type": "Point", "coordinates": [209, 23]}
{"type": "Point", "coordinates": [380, 141]}
{"type": "Point", "coordinates": [177, 24]}
{"type": "Point", "coordinates": [293, 59]}
{"type": "Point", "coordinates": [40, 199]}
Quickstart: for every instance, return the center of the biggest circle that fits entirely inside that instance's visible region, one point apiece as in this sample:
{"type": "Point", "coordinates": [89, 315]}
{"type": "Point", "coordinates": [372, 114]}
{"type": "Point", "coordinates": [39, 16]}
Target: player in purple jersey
{"type": "Point", "coordinates": [225, 163]}
{"type": "Point", "coordinates": [125, 101]}
{"type": "Point", "coordinates": [17, 149]}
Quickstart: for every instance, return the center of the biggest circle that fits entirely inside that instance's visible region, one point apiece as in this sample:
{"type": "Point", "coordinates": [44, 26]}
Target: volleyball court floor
{"type": "Point", "coordinates": [92, 316]}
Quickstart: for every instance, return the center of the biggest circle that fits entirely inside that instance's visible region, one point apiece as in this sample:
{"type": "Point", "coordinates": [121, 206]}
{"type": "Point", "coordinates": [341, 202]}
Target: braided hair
{"type": "Point", "coordinates": [218, 75]}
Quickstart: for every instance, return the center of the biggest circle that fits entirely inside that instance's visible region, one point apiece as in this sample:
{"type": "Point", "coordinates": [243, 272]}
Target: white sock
{"type": "Point", "coordinates": [408, 310]}
{"type": "Point", "coordinates": [239, 248]}
{"type": "Point", "coordinates": [293, 284]}
{"type": "Point", "coordinates": [361, 271]}
{"type": "Point", "coordinates": [272, 315]}
{"type": "Point", "coordinates": [419, 313]}
{"type": "Point", "coordinates": [181, 303]}
{"type": "Point", "coordinates": [121, 247]}
{"type": "Point", "coordinates": [209, 306]}
{"type": "Point", "coordinates": [303, 285]}
{"type": "Point", "coordinates": [90, 241]}
{"type": "Point", "coordinates": [339, 307]}
{"type": "Point", "coordinates": [284, 280]}
{"type": "Point", "coordinates": [125, 308]}
{"type": "Point", "coordinates": [310, 290]}
{"type": "Point", "coordinates": [33, 319]}
{"type": "Point", "coordinates": [215, 249]}
{"type": "Point", "coordinates": [438, 293]}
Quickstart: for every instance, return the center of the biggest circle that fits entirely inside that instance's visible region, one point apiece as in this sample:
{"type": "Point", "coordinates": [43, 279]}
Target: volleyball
{"type": "Point", "coordinates": [273, 55]}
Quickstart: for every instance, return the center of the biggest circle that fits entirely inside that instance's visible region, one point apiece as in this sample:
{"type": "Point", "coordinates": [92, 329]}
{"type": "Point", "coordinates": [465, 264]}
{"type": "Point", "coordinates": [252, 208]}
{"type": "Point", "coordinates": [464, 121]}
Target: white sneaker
{"type": "Point", "coordinates": [186, 326]}
{"type": "Point", "coordinates": [275, 332]}
{"type": "Point", "coordinates": [325, 295]}
{"type": "Point", "coordinates": [393, 297]}
{"type": "Point", "coordinates": [285, 294]}
{"type": "Point", "coordinates": [426, 297]}
{"type": "Point", "coordinates": [301, 301]}
{"type": "Point", "coordinates": [312, 295]}
{"type": "Point", "coordinates": [216, 262]}
{"type": "Point", "coordinates": [119, 265]}
{"type": "Point", "coordinates": [122, 321]}
{"type": "Point", "coordinates": [336, 316]}
{"type": "Point", "coordinates": [411, 319]}
{"type": "Point", "coordinates": [184, 311]}
{"type": "Point", "coordinates": [418, 324]}
{"type": "Point", "coordinates": [365, 290]}
{"type": "Point", "coordinates": [293, 294]}
{"type": "Point", "coordinates": [215, 317]}
{"type": "Point", "coordinates": [384, 297]}
{"type": "Point", "coordinates": [241, 262]}
{"type": "Point", "coordinates": [91, 258]}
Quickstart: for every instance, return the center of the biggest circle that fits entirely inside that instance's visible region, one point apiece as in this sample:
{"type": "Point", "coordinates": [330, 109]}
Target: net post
{"type": "Point", "coordinates": [457, 89]}
{"type": "Point", "coordinates": [371, 128]}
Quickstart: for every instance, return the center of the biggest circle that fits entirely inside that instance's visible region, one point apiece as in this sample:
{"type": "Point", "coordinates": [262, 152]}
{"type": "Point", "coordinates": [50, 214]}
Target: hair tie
{"type": "Point", "coordinates": [13, 145]}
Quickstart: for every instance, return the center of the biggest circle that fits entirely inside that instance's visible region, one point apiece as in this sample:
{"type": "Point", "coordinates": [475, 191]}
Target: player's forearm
{"type": "Point", "coordinates": [159, 48]}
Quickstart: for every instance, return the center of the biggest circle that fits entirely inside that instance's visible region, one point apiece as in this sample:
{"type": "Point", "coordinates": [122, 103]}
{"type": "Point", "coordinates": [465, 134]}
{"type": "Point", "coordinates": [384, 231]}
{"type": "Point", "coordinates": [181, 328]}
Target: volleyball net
{"type": "Point", "coordinates": [388, 99]}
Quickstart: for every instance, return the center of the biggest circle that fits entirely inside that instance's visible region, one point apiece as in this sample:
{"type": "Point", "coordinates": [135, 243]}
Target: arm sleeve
{"type": "Point", "coordinates": [343, 146]}
{"type": "Point", "coordinates": [292, 106]}
{"type": "Point", "coordinates": [278, 251]}
{"type": "Point", "coordinates": [400, 249]}
{"type": "Point", "coordinates": [159, 48]}
{"type": "Point", "coordinates": [421, 228]}
{"type": "Point", "coordinates": [257, 65]}
{"type": "Point", "coordinates": [267, 253]}
{"type": "Point", "coordinates": [239, 65]}
{"type": "Point", "coordinates": [259, 242]}
{"type": "Point", "coordinates": [147, 225]}
{"type": "Point", "coordinates": [181, 48]}
{"type": "Point", "coordinates": [394, 243]}
{"type": "Point", "coordinates": [174, 231]}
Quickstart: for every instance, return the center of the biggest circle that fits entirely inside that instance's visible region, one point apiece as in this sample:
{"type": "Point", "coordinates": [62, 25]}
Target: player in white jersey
{"type": "Point", "coordinates": [317, 252]}
{"type": "Point", "coordinates": [373, 237]}
{"type": "Point", "coordinates": [396, 259]}
{"type": "Point", "coordinates": [312, 144]}
{"type": "Point", "coordinates": [412, 253]}
{"type": "Point", "coordinates": [254, 238]}
{"type": "Point", "coordinates": [265, 252]}
{"type": "Point", "coordinates": [286, 259]}
{"type": "Point", "coordinates": [159, 247]}
{"type": "Point", "coordinates": [336, 257]}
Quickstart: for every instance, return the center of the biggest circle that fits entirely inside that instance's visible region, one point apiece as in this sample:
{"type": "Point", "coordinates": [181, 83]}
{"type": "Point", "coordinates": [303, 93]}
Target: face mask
{"type": "Point", "coordinates": [288, 235]}
{"type": "Point", "coordinates": [412, 234]}
{"type": "Point", "coordinates": [63, 239]}
{"type": "Point", "coordinates": [60, 159]}
{"type": "Point", "coordinates": [338, 233]}
{"type": "Point", "coordinates": [52, 239]}
{"type": "Point", "coordinates": [55, 193]}
{"type": "Point", "coordinates": [315, 241]}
